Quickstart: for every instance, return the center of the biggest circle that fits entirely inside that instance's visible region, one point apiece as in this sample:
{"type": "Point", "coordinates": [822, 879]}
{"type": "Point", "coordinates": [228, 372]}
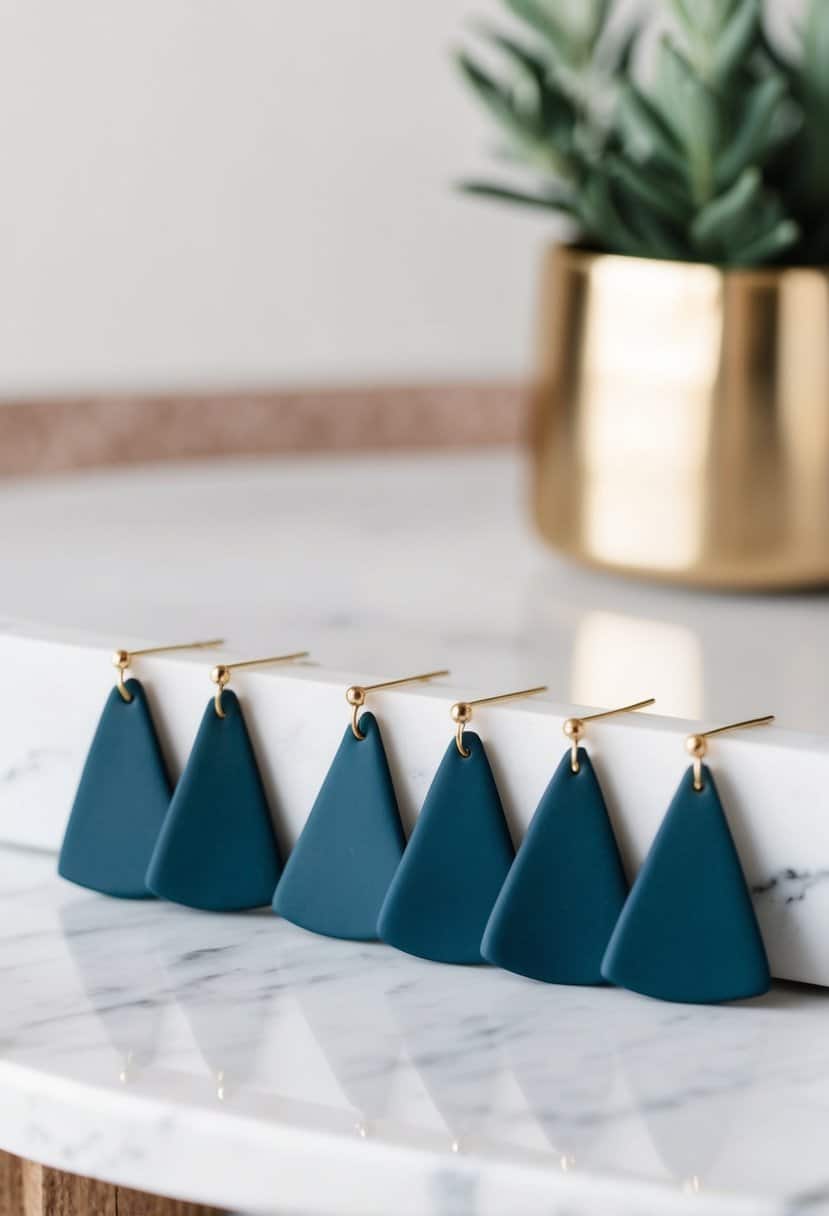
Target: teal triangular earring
{"type": "Point", "coordinates": [562, 897]}
{"type": "Point", "coordinates": [337, 875]}
{"type": "Point", "coordinates": [688, 931]}
{"type": "Point", "coordinates": [457, 857]}
{"type": "Point", "coordinates": [124, 792]}
{"type": "Point", "coordinates": [217, 849]}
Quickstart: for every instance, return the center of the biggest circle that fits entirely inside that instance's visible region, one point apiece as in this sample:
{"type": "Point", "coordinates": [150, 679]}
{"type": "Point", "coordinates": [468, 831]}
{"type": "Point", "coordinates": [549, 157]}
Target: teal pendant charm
{"type": "Point", "coordinates": [688, 931]}
{"type": "Point", "coordinates": [454, 865]}
{"type": "Point", "coordinates": [339, 871]}
{"type": "Point", "coordinates": [217, 849]}
{"type": "Point", "coordinates": [562, 897]}
{"type": "Point", "coordinates": [122, 799]}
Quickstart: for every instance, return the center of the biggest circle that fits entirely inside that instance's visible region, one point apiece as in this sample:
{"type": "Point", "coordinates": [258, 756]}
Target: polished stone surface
{"type": "Point", "coordinates": [390, 562]}
{"type": "Point", "coordinates": [239, 1060]}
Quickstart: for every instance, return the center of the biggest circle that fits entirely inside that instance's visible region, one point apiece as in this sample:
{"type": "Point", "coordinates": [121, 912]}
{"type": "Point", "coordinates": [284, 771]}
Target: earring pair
{"type": "Point", "coordinates": [686, 932]}
{"type": "Point", "coordinates": [124, 791]}
{"type": "Point", "coordinates": [340, 869]}
{"type": "Point", "coordinates": [209, 843]}
{"type": "Point", "coordinates": [351, 873]}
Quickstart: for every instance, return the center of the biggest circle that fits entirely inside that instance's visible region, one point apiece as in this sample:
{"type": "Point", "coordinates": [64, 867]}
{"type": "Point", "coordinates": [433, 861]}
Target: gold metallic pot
{"type": "Point", "coordinates": [682, 420]}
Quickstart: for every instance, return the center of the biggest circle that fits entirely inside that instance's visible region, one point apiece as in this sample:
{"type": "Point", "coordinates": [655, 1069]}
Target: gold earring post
{"type": "Point", "coordinates": [697, 745]}
{"type": "Point", "coordinates": [122, 659]}
{"type": "Point", "coordinates": [574, 727]}
{"type": "Point", "coordinates": [356, 694]}
{"type": "Point", "coordinates": [220, 675]}
{"type": "Point", "coordinates": [461, 711]}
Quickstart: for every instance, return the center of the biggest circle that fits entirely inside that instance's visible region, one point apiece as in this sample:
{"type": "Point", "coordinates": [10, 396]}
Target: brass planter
{"type": "Point", "coordinates": [682, 420]}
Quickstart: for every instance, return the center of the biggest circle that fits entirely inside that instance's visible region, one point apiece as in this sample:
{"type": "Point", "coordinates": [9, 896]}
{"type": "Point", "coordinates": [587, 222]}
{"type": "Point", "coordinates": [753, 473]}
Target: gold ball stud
{"type": "Point", "coordinates": [121, 659]}
{"type": "Point", "coordinates": [220, 674]}
{"type": "Point", "coordinates": [696, 746]}
{"type": "Point", "coordinates": [574, 729]}
{"type": "Point", "coordinates": [355, 695]}
{"type": "Point", "coordinates": [461, 712]}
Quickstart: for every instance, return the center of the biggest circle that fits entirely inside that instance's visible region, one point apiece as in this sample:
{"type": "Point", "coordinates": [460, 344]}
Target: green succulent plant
{"type": "Point", "coordinates": [715, 151]}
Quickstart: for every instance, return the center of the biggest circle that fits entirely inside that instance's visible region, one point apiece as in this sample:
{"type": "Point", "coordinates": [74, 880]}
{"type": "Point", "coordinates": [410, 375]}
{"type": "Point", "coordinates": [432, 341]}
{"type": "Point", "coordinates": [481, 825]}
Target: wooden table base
{"type": "Point", "coordinates": [29, 1189]}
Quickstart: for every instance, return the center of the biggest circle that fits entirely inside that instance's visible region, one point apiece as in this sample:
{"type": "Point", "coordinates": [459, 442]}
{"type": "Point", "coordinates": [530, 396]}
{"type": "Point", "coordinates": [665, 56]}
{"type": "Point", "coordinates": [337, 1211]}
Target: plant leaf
{"type": "Point", "coordinates": [701, 124]}
{"type": "Point", "coordinates": [736, 39]}
{"type": "Point", "coordinates": [540, 17]}
{"type": "Point", "coordinates": [649, 191]}
{"type": "Point", "coordinates": [773, 53]}
{"type": "Point", "coordinates": [654, 237]}
{"type": "Point", "coordinates": [753, 138]}
{"type": "Point", "coordinates": [500, 103]}
{"type": "Point", "coordinates": [603, 222]}
{"type": "Point", "coordinates": [596, 15]}
{"type": "Point", "coordinates": [704, 20]}
{"type": "Point", "coordinates": [686, 16]}
{"type": "Point", "coordinates": [648, 123]}
{"type": "Point", "coordinates": [815, 64]}
{"type": "Point", "coordinates": [766, 248]}
{"type": "Point", "coordinates": [717, 223]}
{"type": "Point", "coordinates": [615, 54]}
{"type": "Point", "coordinates": [529, 64]}
{"type": "Point", "coordinates": [551, 201]}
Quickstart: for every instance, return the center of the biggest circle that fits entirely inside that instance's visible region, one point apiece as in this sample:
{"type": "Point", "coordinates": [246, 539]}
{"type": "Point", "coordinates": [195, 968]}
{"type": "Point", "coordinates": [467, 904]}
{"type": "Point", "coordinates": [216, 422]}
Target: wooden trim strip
{"type": "Point", "coordinates": [30, 1189]}
{"type": "Point", "coordinates": [51, 435]}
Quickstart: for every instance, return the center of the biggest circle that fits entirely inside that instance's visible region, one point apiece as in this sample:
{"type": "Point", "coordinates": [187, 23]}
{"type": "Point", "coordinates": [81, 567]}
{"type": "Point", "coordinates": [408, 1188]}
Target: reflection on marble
{"type": "Point", "coordinates": [366, 1060]}
{"type": "Point", "coordinates": [560, 1094]}
{"type": "Point", "coordinates": [718, 1068]}
{"type": "Point", "coordinates": [236, 1058]}
{"type": "Point", "coordinates": [223, 991]}
{"type": "Point", "coordinates": [113, 949]}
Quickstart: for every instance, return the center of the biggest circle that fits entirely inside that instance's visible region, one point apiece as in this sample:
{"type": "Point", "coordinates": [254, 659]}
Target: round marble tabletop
{"type": "Point", "coordinates": [238, 1061]}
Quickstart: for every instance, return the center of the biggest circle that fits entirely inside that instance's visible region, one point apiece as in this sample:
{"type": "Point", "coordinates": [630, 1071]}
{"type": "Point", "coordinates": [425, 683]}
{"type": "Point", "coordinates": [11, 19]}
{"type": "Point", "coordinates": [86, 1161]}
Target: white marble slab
{"type": "Point", "coordinates": [387, 565]}
{"type": "Point", "coordinates": [297, 717]}
{"type": "Point", "coordinates": [239, 1061]}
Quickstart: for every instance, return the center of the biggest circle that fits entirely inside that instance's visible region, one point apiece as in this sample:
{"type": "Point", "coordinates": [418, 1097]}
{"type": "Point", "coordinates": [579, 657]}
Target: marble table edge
{"type": "Point", "coordinates": [475, 1158]}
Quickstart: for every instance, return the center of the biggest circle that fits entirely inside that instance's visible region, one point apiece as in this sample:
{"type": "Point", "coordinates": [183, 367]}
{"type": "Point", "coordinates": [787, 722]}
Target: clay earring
{"type": "Point", "coordinates": [457, 857]}
{"type": "Point", "coordinates": [217, 849]}
{"type": "Point", "coordinates": [124, 791]}
{"type": "Point", "coordinates": [688, 930]}
{"type": "Point", "coordinates": [562, 897]}
{"type": "Point", "coordinates": [340, 868]}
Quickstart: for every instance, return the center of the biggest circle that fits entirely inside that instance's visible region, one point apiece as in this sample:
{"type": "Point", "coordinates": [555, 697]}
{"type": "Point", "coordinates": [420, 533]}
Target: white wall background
{"type": "Point", "coordinates": [208, 192]}
{"type": "Point", "coordinates": [248, 191]}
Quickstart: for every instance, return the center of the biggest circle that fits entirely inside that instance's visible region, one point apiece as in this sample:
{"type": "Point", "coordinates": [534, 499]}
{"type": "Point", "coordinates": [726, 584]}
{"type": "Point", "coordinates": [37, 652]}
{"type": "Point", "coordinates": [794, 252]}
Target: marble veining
{"type": "Point", "coordinates": [790, 886]}
{"type": "Point", "coordinates": [33, 762]}
{"type": "Point", "coordinates": [234, 1058]}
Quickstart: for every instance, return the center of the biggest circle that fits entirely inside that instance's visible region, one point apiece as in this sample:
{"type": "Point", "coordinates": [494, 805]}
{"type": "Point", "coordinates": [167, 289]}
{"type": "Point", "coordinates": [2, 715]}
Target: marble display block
{"type": "Point", "coordinates": [773, 782]}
